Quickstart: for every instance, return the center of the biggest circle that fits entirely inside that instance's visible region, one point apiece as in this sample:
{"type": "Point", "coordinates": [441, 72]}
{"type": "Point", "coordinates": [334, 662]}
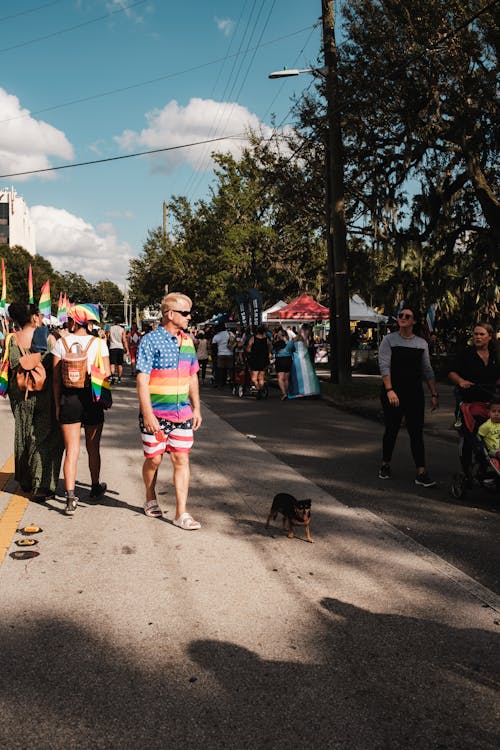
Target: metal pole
{"type": "Point", "coordinates": [339, 310]}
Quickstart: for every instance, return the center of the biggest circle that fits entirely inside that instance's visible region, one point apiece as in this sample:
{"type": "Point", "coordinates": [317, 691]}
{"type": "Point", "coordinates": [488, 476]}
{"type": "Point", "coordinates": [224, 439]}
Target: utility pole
{"type": "Point", "coordinates": [164, 225]}
{"type": "Point", "coordinates": [337, 245]}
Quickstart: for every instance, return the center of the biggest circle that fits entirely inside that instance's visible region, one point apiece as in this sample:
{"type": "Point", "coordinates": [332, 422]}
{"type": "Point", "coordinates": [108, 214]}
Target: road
{"type": "Point", "coordinates": [340, 453]}
{"type": "Point", "coordinates": [126, 632]}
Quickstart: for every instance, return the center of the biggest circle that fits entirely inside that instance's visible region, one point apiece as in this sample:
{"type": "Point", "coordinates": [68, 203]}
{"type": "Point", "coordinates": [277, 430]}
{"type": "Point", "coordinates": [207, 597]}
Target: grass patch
{"type": "Point", "coordinates": [350, 392]}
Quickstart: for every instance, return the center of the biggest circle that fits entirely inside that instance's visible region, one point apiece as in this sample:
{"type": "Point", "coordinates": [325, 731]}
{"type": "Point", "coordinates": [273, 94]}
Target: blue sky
{"type": "Point", "coordinates": [92, 219]}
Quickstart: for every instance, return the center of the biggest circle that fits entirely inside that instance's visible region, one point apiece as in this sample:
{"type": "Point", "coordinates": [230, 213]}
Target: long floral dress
{"type": "Point", "coordinates": [38, 444]}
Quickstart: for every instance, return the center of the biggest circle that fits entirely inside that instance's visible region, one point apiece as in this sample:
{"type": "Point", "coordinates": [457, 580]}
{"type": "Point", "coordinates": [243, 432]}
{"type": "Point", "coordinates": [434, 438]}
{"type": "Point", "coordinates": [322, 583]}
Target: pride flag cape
{"type": "Point", "coordinates": [30, 286]}
{"type": "Point", "coordinates": [3, 301]}
{"type": "Point", "coordinates": [44, 305]}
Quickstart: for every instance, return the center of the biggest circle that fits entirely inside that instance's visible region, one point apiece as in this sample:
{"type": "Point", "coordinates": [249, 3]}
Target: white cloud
{"type": "Point", "coordinates": [226, 25]}
{"type": "Point", "coordinates": [25, 143]}
{"type": "Point", "coordinates": [199, 120]}
{"type": "Point", "coordinates": [72, 244]}
{"type": "Point", "coordinates": [112, 6]}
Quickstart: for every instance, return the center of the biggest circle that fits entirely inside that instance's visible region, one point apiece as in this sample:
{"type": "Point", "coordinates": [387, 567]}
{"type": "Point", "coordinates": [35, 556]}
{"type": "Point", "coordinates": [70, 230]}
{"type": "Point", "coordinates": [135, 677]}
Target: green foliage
{"type": "Point", "coordinates": [248, 234]}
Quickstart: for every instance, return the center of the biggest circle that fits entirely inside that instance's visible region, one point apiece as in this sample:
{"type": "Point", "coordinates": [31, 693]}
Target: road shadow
{"type": "Point", "coordinates": [358, 680]}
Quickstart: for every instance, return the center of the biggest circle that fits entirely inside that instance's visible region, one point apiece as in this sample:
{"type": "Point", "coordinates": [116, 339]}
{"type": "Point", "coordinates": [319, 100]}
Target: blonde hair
{"type": "Point", "coordinates": [172, 299]}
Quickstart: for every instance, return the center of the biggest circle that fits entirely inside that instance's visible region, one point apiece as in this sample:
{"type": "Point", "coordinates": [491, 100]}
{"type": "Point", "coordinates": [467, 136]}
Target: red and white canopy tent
{"type": "Point", "coordinates": [303, 309]}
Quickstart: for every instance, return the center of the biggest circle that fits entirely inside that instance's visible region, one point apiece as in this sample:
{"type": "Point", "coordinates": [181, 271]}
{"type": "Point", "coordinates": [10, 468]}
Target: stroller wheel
{"type": "Point", "coordinates": [264, 392]}
{"type": "Point", "coordinates": [458, 486]}
{"type": "Point", "coordinates": [241, 391]}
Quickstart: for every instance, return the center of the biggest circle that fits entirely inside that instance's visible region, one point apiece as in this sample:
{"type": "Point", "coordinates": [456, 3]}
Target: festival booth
{"type": "Point", "coordinates": [359, 310]}
{"type": "Point", "coordinates": [304, 309]}
{"type": "Point", "coordinates": [272, 309]}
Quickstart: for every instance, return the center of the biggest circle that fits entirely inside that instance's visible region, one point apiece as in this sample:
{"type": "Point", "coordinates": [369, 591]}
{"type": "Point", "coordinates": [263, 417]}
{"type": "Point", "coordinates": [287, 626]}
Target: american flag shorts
{"type": "Point", "coordinates": [177, 437]}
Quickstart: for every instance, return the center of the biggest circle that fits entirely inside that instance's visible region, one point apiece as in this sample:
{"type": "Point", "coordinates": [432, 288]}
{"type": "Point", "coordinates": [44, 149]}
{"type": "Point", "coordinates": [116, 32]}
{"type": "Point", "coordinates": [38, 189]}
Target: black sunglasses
{"type": "Point", "coordinates": [183, 312]}
{"type": "Point", "coordinates": [406, 316]}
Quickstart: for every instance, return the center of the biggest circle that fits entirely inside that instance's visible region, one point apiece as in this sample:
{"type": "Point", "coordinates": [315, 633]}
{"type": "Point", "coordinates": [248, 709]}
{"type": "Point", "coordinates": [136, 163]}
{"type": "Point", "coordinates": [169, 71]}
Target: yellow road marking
{"type": "Point", "coordinates": [13, 513]}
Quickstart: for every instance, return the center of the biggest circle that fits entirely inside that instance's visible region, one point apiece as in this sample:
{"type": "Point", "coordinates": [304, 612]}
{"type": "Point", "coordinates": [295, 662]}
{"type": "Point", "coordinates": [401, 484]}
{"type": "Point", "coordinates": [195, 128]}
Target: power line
{"type": "Point", "coordinates": [73, 28]}
{"type": "Point", "coordinates": [151, 80]}
{"type": "Point", "coordinates": [117, 158]}
{"type": "Point", "coordinates": [29, 10]}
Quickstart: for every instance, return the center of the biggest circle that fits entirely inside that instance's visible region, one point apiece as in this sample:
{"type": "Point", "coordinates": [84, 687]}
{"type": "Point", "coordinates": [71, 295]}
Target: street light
{"type": "Point", "coordinates": [338, 285]}
{"type": "Point", "coordinates": [285, 73]}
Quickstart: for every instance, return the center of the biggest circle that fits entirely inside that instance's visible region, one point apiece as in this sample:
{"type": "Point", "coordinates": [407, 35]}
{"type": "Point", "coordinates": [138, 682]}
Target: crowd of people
{"type": "Point", "coordinates": [169, 361]}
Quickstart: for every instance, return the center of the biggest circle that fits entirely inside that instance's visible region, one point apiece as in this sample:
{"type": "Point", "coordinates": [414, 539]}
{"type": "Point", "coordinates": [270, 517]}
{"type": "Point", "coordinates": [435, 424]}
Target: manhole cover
{"type": "Point", "coordinates": [25, 554]}
{"type": "Point", "coordinates": [30, 530]}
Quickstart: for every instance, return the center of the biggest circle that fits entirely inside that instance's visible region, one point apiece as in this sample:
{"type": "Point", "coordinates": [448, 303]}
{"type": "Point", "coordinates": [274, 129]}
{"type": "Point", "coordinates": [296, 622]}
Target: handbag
{"type": "Point", "coordinates": [4, 369]}
{"type": "Point", "coordinates": [99, 382]}
{"type": "Point", "coordinates": [30, 374]}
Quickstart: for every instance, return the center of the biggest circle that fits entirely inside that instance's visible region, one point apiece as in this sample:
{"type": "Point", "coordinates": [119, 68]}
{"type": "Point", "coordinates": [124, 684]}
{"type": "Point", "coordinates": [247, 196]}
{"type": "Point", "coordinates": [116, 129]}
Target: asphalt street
{"type": "Point", "coordinates": [341, 452]}
{"type": "Point", "coordinates": [127, 632]}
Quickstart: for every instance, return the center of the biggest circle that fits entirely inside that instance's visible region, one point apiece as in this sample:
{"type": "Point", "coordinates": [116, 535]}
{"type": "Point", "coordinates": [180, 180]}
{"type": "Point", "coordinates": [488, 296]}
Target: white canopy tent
{"type": "Point", "coordinates": [273, 308]}
{"type": "Point", "coordinates": [359, 310]}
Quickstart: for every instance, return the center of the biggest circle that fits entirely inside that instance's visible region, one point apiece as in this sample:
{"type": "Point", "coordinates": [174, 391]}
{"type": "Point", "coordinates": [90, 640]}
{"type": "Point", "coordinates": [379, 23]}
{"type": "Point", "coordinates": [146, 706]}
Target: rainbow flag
{"type": "Point", "coordinates": [44, 305]}
{"type": "Point", "coordinates": [4, 368]}
{"type": "Point", "coordinates": [30, 286]}
{"type": "Point", "coordinates": [101, 389]}
{"type": "Point", "coordinates": [3, 301]}
{"type": "Point", "coordinates": [61, 309]}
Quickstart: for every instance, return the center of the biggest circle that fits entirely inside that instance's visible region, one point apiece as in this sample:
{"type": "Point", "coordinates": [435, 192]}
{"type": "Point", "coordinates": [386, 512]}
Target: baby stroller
{"type": "Point", "coordinates": [242, 383]}
{"type": "Point", "coordinates": [478, 467]}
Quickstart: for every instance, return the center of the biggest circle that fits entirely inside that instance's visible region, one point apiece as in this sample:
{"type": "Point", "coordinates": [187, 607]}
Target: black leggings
{"type": "Point", "coordinates": [412, 407]}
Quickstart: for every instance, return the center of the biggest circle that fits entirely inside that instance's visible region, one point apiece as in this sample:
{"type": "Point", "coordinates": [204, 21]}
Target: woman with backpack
{"type": "Point", "coordinates": [75, 405]}
{"type": "Point", "coordinates": [38, 444]}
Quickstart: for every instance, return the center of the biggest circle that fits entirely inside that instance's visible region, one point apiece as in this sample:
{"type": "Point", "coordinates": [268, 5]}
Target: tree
{"type": "Point", "coordinates": [421, 126]}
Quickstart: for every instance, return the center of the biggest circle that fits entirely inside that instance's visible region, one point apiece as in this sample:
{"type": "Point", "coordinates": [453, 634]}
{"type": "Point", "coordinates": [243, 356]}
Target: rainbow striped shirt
{"type": "Point", "coordinates": [170, 368]}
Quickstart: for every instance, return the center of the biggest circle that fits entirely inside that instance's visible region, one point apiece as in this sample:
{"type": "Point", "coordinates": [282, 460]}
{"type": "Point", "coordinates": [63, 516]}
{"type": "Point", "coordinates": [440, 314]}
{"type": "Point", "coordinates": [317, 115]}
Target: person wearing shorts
{"type": "Point", "coordinates": [118, 346]}
{"type": "Point", "coordinates": [169, 399]}
{"type": "Point", "coordinates": [75, 407]}
{"type": "Point", "coordinates": [283, 351]}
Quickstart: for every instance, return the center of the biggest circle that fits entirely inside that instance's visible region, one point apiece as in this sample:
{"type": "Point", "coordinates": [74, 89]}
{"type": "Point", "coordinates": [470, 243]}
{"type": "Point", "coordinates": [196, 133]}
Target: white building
{"type": "Point", "coordinates": [16, 227]}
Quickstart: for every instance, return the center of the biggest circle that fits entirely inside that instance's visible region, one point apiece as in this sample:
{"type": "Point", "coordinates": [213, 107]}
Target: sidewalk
{"type": "Point", "coordinates": [127, 632]}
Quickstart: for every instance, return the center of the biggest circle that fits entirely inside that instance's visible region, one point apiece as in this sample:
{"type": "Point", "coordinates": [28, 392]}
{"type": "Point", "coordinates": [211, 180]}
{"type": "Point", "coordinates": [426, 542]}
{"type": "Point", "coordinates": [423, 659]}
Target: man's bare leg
{"type": "Point", "coordinates": [180, 462]}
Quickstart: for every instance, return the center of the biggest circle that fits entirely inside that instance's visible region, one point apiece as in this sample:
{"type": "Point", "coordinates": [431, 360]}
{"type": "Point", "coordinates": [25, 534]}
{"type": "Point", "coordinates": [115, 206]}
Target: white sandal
{"type": "Point", "coordinates": [152, 509]}
{"type": "Point", "coordinates": [186, 521]}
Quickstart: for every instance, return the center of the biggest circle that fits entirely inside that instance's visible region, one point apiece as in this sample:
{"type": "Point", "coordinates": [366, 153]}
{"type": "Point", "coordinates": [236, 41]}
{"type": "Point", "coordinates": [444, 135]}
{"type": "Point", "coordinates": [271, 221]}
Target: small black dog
{"type": "Point", "coordinates": [296, 512]}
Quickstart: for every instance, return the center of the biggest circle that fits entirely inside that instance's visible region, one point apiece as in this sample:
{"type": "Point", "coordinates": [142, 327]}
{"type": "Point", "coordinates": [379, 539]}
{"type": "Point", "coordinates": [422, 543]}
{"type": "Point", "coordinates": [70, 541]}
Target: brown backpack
{"type": "Point", "coordinates": [30, 372]}
{"type": "Point", "coordinates": [74, 369]}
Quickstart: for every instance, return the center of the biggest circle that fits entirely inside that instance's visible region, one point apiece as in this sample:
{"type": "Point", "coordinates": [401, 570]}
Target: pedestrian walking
{"type": "Point", "coordinates": [75, 406]}
{"type": "Point", "coordinates": [169, 400]}
{"type": "Point", "coordinates": [404, 361]}
{"type": "Point", "coordinates": [38, 445]}
{"type": "Point", "coordinates": [118, 346]}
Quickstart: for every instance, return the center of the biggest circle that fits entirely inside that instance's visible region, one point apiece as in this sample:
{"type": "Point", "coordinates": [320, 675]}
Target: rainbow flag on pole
{"type": "Point", "coordinates": [44, 305]}
{"type": "Point", "coordinates": [30, 286]}
{"type": "Point", "coordinates": [3, 301]}
{"type": "Point", "coordinates": [62, 308]}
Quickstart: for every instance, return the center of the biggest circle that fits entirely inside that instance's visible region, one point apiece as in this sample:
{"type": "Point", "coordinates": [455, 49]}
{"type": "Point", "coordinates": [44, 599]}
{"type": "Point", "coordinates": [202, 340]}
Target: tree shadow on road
{"type": "Point", "coordinates": [376, 681]}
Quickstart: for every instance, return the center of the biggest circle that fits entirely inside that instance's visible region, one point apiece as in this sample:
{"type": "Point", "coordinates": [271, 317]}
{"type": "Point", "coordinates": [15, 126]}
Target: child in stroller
{"type": "Point", "coordinates": [242, 382]}
{"type": "Point", "coordinates": [479, 447]}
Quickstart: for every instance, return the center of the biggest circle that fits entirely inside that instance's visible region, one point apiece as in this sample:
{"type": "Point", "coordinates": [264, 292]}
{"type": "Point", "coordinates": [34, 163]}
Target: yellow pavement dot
{"type": "Point", "coordinates": [13, 513]}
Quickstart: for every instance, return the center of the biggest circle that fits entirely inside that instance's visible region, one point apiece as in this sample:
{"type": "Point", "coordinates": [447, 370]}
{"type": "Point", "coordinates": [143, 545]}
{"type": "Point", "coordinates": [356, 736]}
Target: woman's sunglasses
{"type": "Point", "coordinates": [406, 316]}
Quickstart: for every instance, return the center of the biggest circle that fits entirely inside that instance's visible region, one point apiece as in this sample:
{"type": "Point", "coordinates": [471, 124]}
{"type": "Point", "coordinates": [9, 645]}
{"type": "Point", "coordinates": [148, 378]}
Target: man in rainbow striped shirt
{"type": "Point", "coordinates": [169, 398]}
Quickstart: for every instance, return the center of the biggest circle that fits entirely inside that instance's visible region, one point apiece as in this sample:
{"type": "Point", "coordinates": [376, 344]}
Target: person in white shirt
{"type": "Point", "coordinates": [118, 346]}
{"type": "Point", "coordinates": [223, 341]}
{"type": "Point", "coordinates": [75, 406]}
